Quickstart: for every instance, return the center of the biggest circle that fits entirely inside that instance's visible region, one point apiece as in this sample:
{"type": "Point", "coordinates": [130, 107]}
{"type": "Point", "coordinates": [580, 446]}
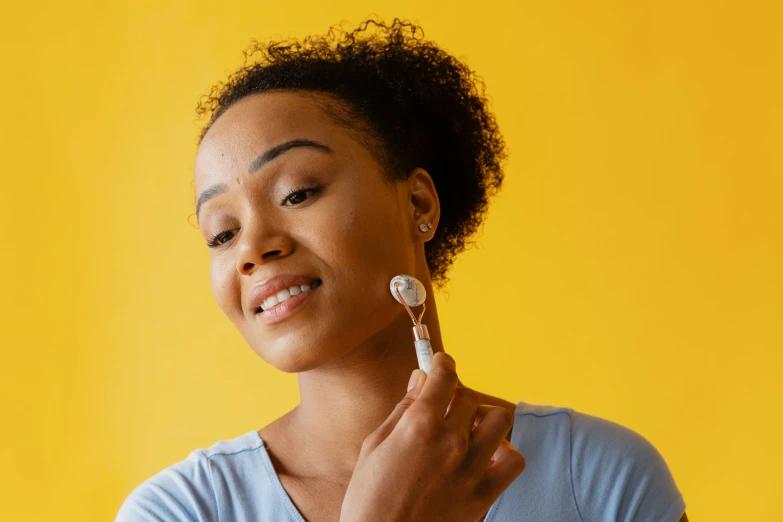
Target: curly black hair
{"type": "Point", "coordinates": [416, 105]}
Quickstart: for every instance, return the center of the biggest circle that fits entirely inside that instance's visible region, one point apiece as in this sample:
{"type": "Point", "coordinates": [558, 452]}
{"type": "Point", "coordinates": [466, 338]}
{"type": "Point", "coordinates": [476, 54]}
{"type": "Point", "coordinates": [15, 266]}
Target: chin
{"type": "Point", "coordinates": [293, 362]}
{"type": "Point", "coordinates": [297, 357]}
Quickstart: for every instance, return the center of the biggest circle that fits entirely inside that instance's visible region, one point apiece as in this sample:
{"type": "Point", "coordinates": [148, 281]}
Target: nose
{"type": "Point", "coordinates": [260, 245]}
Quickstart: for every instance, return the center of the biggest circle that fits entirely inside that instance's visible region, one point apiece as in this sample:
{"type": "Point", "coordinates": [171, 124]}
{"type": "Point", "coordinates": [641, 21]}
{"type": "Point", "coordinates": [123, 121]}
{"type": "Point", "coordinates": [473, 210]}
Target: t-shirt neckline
{"type": "Point", "coordinates": [289, 504]}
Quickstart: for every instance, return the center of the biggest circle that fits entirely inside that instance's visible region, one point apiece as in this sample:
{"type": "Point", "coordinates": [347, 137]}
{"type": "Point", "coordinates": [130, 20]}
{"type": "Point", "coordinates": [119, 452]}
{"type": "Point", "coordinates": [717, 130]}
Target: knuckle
{"type": "Point", "coordinates": [405, 403]}
{"type": "Point", "coordinates": [519, 460]}
{"type": "Point", "coordinates": [444, 373]}
{"type": "Point", "coordinates": [420, 424]}
{"type": "Point", "coordinates": [514, 462]}
{"type": "Point", "coordinates": [445, 358]}
{"type": "Point", "coordinates": [458, 444]}
{"type": "Point", "coordinates": [506, 416]}
{"type": "Point", "coordinates": [466, 398]}
{"type": "Point", "coordinates": [471, 396]}
{"type": "Point", "coordinates": [369, 442]}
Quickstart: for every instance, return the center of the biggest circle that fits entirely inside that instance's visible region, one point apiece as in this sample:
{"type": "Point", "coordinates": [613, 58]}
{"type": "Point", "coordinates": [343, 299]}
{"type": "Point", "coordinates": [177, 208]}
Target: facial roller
{"type": "Point", "coordinates": [409, 292]}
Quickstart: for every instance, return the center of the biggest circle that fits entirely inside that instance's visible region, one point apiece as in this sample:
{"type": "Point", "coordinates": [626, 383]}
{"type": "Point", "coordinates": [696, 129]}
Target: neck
{"type": "Point", "coordinates": [343, 402]}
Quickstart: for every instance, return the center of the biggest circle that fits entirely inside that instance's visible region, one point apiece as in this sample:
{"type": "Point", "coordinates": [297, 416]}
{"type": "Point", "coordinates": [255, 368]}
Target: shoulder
{"type": "Point", "coordinates": [184, 491]}
{"type": "Point", "coordinates": [616, 471]}
{"type": "Point", "coordinates": [181, 492]}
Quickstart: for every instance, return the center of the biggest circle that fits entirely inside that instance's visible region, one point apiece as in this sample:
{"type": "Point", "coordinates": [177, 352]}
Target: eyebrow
{"type": "Point", "coordinates": [259, 162]}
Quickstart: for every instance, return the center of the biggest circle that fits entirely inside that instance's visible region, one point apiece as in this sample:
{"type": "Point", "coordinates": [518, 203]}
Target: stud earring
{"type": "Point", "coordinates": [424, 227]}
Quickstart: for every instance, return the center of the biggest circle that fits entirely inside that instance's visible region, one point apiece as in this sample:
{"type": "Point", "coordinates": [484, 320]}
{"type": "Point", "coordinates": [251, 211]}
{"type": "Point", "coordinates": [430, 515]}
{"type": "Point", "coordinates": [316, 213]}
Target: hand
{"type": "Point", "coordinates": [430, 460]}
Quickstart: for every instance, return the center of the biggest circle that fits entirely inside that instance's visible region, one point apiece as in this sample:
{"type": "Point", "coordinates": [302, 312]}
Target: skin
{"type": "Point", "coordinates": [350, 344]}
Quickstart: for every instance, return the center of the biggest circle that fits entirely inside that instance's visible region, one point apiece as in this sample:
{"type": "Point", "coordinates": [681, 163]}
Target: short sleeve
{"type": "Point", "coordinates": [618, 475]}
{"type": "Point", "coordinates": [180, 493]}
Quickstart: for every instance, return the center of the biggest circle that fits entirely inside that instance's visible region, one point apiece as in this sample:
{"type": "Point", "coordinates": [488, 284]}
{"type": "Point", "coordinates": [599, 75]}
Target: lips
{"type": "Point", "coordinates": [272, 286]}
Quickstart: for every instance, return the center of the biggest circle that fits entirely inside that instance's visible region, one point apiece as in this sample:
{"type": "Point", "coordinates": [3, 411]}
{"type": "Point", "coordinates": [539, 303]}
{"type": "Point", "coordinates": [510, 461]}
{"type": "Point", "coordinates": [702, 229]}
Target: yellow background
{"type": "Point", "coordinates": [630, 268]}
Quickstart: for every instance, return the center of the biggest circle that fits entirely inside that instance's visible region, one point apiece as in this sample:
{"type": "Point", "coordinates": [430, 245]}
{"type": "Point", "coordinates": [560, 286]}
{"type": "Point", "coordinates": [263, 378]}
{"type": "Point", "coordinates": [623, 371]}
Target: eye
{"type": "Point", "coordinates": [298, 194]}
{"type": "Point", "coordinates": [214, 240]}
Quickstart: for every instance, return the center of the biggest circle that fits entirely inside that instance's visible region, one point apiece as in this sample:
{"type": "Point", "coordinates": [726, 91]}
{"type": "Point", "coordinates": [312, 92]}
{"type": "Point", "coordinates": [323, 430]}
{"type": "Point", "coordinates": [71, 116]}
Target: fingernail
{"type": "Point", "coordinates": [414, 380]}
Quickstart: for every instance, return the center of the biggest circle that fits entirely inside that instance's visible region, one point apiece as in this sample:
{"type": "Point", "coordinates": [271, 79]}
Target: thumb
{"type": "Point", "coordinates": [414, 388]}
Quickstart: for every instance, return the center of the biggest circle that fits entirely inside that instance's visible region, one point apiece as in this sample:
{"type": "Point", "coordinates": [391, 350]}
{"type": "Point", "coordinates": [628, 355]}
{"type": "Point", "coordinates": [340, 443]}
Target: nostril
{"type": "Point", "coordinates": [273, 254]}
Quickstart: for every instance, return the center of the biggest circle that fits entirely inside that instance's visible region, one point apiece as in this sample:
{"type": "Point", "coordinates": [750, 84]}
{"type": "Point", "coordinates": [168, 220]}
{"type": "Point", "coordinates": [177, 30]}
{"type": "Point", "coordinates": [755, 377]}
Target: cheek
{"type": "Point", "coordinates": [362, 234]}
{"type": "Point", "coordinates": [223, 287]}
{"type": "Point", "coordinates": [363, 242]}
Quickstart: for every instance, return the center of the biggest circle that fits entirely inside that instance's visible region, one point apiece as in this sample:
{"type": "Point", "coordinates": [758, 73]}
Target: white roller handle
{"type": "Point", "coordinates": [424, 354]}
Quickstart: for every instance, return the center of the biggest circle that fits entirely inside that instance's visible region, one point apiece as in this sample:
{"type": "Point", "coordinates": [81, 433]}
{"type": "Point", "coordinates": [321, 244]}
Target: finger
{"type": "Point", "coordinates": [462, 409]}
{"type": "Point", "coordinates": [440, 385]}
{"type": "Point", "coordinates": [487, 436]}
{"type": "Point", "coordinates": [391, 421]}
{"type": "Point", "coordinates": [508, 464]}
{"type": "Point", "coordinates": [480, 412]}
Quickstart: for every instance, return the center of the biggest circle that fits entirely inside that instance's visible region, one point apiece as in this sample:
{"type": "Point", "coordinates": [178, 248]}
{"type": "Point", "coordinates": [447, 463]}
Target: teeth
{"type": "Point", "coordinates": [282, 295]}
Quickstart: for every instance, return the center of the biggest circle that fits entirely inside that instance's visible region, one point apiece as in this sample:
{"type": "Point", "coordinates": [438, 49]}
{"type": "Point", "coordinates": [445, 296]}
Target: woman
{"type": "Point", "coordinates": [326, 168]}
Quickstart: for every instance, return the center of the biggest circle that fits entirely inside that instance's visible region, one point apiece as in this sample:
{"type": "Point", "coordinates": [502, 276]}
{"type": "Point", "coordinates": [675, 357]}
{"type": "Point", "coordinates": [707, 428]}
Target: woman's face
{"type": "Point", "coordinates": [320, 211]}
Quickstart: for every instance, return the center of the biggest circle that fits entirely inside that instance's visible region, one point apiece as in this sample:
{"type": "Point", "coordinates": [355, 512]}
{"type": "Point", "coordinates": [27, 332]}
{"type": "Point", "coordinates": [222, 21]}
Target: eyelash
{"type": "Point", "coordinates": [212, 241]}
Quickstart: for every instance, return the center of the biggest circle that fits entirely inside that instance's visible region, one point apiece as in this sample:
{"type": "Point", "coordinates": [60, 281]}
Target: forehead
{"type": "Point", "coordinates": [258, 122]}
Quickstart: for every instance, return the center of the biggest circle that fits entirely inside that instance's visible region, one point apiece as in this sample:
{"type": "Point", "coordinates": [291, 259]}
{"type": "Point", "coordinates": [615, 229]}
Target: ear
{"type": "Point", "coordinates": [424, 204]}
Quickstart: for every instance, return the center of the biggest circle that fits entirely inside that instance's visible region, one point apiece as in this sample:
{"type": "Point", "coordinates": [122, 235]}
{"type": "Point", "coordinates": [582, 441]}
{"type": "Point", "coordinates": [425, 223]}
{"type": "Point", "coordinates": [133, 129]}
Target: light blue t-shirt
{"type": "Point", "coordinates": [579, 468]}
